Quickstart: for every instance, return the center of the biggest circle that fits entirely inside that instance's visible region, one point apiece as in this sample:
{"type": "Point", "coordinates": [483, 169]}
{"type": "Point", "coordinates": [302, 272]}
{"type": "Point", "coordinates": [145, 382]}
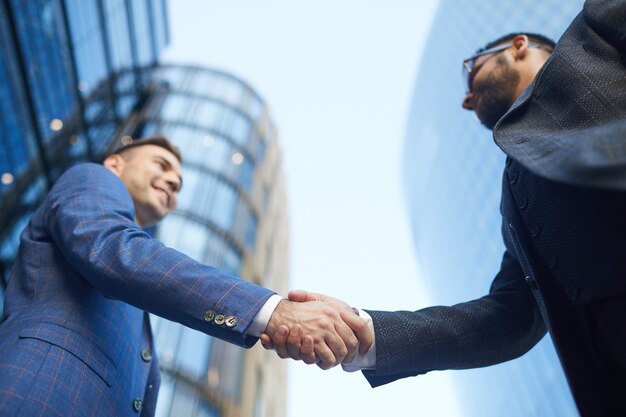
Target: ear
{"type": "Point", "coordinates": [520, 47]}
{"type": "Point", "coordinates": [114, 163]}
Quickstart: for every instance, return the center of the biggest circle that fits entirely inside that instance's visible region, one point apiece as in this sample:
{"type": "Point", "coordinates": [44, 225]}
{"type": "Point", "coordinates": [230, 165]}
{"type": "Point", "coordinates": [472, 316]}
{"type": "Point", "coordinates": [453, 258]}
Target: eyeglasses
{"type": "Point", "coordinates": [469, 65]}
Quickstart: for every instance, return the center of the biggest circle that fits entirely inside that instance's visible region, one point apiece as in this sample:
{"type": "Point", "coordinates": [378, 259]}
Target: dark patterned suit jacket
{"type": "Point", "coordinates": [564, 222]}
{"type": "Point", "coordinates": [77, 340]}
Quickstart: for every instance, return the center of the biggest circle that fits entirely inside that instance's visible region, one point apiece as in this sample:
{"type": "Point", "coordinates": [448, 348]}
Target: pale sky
{"type": "Point", "coordinates": [338, 76]}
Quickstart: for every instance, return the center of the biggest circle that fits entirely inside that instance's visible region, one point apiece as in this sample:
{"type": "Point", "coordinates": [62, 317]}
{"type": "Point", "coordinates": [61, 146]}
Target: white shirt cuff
{"type": "Point", "coordinates": [368, 359]}
{"type": "Point", "coordinates": [262, 318]}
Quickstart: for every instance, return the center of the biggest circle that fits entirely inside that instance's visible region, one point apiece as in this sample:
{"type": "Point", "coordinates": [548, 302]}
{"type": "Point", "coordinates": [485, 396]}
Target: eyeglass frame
{"type": "Point", "coordinates": [468, 69]}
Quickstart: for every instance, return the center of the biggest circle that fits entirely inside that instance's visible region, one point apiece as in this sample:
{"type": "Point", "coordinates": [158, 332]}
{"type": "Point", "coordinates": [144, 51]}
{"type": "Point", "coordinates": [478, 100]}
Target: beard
{"type": "Point", "coordinates": [497, 93]}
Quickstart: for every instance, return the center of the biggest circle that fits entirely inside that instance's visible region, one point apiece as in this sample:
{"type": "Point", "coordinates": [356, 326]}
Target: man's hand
{"type": "Point", "coordinates": [300, 342]}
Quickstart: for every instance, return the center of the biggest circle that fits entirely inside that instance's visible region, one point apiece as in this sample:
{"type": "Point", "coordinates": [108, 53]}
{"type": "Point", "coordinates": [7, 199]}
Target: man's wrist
{"type": "Point", "coordinates": [368, 359]}
{"type": "Point", "coordinates": [262, 318]}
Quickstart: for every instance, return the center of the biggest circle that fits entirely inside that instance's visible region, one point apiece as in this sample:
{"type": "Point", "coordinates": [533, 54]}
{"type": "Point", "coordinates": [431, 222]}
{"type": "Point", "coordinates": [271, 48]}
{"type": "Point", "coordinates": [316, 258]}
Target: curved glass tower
{"type": "Point", "coordinates": [231, 214]}
{"type": "Point", "coordinates": [452, 176]}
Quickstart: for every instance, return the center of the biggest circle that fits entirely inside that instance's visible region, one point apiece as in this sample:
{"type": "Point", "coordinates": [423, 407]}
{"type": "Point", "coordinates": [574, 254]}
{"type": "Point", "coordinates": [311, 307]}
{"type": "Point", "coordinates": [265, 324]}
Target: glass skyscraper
{"type": "Point", "coordinates": [78, 78]}
{"type": "Point", "coordinates": [452, 174]}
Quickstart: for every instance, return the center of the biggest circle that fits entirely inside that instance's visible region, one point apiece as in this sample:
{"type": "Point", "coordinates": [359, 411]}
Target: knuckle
{"type": "Point", "coordinates": [352, 343]}
{"type": "Point", "coordinates": [342, 352]}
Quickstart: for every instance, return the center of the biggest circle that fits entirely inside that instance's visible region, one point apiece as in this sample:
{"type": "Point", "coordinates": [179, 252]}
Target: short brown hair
{"type": "Point", "coordinates": [157, 140]}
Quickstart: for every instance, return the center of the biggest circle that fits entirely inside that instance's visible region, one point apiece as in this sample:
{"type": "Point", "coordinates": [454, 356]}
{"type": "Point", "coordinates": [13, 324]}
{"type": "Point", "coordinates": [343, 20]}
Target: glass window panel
{"type": "Point", "coordinates": [176, 107]}
{"type": "Point", "coordinates": [208, 113]}
{"type": "Point", "coordinates": [246, 174]}
{"type": "Point", "coordinates": [167, 340]}
{"type": "Point", "coordinates": [159, 21]}
{"type": "Point", "coordinates": [205, 82]}
{"type": "Point", "coordinates": [87, 42]}
{"type": "Point", "coordinates": [231, 91]}
{"type": "Point", "coordinates": [187, 196]}
{"type": "Point", "coordinates": [141, 26]}
{"type": "Point", "coordinates": [166, 391]}
{"type": "Point", "coordinates": [232, 261]}
{"type": "Point", "coordinates": [228, 360]}
{"type": "Point", "coordinates": [118, 34]}
{"type": "Point", "coordinates": [193, 352]}
{"type": "Point", "coordinates": [184, 401]}
{"type": "Point", "coordinates": [235, 126]}
{"type": "Point", "coordinates": [251, 231]}
{"type": "Point", "coordinates": [43, 42]}
{"type": "Point", "coordinates": [224, 204]}
{"type": "Point", "coordinates": [260, 151]}
{"type": "Point", "coordinates": [173, 76]}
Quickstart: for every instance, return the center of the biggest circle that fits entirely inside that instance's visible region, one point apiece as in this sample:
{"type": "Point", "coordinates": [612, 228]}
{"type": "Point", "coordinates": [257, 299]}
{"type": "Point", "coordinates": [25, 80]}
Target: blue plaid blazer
{"type": "Point", "coordinates": [77, 339]}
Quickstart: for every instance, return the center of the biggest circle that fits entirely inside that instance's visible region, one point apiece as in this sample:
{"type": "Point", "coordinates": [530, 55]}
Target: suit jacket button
{"type": "Point", "coordinates": [231, 321]}
{"type": "Point", "coordinates": [146, 355]}
{"type": "Point", "coordinates": [219, 319]}
{"type": "Point", "coordinates": [531, 282]}
{"type": "Point", "coordinates": [137, 404]}
{"type": "Point", "coordinates": [513, 177]}
{"type": "Point", "coordinates": [209, 315]}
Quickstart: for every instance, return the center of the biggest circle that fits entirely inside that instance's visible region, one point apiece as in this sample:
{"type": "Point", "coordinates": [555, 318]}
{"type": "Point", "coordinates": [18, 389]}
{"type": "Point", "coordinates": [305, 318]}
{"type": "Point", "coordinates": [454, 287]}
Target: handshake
{"type": "Point", "coordinates": [317, 329]}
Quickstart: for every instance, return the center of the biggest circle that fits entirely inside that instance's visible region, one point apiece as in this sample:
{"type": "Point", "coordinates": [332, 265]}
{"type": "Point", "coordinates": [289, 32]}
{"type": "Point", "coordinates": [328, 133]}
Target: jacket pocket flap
{"type": "Point", "coordinates": [76, 344]}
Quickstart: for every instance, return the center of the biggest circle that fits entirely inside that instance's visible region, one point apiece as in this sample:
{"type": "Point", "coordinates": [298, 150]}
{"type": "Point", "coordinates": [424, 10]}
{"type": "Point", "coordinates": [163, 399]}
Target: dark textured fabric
{"type": "Point", "coordinates": [564, 227]}
{"type": "Point", "coordinates": [84, 275]}
{"type": "Point", "coordinates": [569, 125]}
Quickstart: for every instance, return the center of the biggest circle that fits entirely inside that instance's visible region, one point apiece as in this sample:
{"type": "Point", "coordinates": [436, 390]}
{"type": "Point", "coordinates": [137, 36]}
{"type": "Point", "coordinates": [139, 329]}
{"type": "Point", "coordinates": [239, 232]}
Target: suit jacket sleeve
{"type": "Point", "coordinates": [608, 19]}
{"type": "Point", "coordinates": [498, 327]}
{"type": "Point", "coordinates": [91, 220]}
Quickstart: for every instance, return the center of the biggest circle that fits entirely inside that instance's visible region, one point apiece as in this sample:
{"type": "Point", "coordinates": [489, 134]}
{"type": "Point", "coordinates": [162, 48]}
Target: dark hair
{"type": "Point", "coordinates": [161, 141]}
{"type": "Point", "coordinates": [534, 37]}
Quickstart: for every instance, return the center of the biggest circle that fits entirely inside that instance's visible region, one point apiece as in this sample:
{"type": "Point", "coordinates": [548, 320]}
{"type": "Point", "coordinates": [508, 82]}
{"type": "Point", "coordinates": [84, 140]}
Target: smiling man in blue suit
{"type": "Point", "coordinates": [77, 339]}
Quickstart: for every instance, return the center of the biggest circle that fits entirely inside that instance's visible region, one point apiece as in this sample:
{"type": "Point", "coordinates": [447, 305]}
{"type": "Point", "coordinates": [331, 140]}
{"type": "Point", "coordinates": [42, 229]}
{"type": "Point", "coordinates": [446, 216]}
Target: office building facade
{"type": "Point", "coordinates": [78, 78]}
{"type": "Point", "coordinates": [452, 174]}
{"type": "Point", "coordinates": [59, 61]}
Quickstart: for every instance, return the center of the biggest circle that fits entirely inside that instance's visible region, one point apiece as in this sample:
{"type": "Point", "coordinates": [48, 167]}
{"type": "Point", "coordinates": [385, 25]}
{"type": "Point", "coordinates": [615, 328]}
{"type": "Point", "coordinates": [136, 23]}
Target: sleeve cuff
{"type": "Point", "coordinates": [368, 359]}
{"type": "Point", "coordinates": [259, 324]}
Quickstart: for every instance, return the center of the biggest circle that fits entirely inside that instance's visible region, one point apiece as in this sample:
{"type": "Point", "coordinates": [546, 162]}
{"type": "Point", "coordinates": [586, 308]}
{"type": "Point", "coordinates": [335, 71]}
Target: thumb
{"type": "Point", "coordinates": [302, 296]}
{"type": "Point", "coordinates": [266, 341]}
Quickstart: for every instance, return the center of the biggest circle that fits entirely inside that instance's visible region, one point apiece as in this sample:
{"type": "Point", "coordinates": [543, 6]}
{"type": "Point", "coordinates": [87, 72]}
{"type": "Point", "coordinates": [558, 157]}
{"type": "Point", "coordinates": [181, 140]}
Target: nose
{"type": "Point", "coordinates": [468, 101]}
{"type": "Point", "coordinates": [173, 183]}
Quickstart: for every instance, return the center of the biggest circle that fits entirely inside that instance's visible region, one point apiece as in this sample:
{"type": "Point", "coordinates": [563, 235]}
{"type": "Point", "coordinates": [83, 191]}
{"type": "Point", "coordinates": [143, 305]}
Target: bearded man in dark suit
{"type": "Point", "coordinates": [559, 113]}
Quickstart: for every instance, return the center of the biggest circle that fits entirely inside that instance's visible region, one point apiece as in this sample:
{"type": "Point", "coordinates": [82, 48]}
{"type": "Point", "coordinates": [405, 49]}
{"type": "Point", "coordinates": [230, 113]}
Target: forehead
{"type": "Point", "coordinates": [149, 152]}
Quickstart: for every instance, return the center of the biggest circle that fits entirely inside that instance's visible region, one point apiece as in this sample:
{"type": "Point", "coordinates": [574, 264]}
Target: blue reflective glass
{"type": "Point", "coordinates": [142, 32]}
{"type": "Point", "coordinates": [44, 45]}
{"type": "Point", "coordinates": [118, 34]}
{"type": "Point", "coordinates": [88, 43]}
{"type": "Point", "coordinates": [224, 203]}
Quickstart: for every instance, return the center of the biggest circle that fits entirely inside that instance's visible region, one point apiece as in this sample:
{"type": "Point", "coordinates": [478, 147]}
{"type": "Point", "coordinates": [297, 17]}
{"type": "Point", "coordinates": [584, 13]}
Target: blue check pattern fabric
{"type": "Point", "coordinates": [77, 339]}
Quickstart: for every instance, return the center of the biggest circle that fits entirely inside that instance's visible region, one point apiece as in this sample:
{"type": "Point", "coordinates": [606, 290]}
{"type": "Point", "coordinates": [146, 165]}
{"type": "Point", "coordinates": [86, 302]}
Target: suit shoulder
{"type": "Point", "coordinates": [91, 179]}
{"type": "Point", "coordinates": [86, 169]}
{"type": "Point", "coordinates": [90, 173]}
